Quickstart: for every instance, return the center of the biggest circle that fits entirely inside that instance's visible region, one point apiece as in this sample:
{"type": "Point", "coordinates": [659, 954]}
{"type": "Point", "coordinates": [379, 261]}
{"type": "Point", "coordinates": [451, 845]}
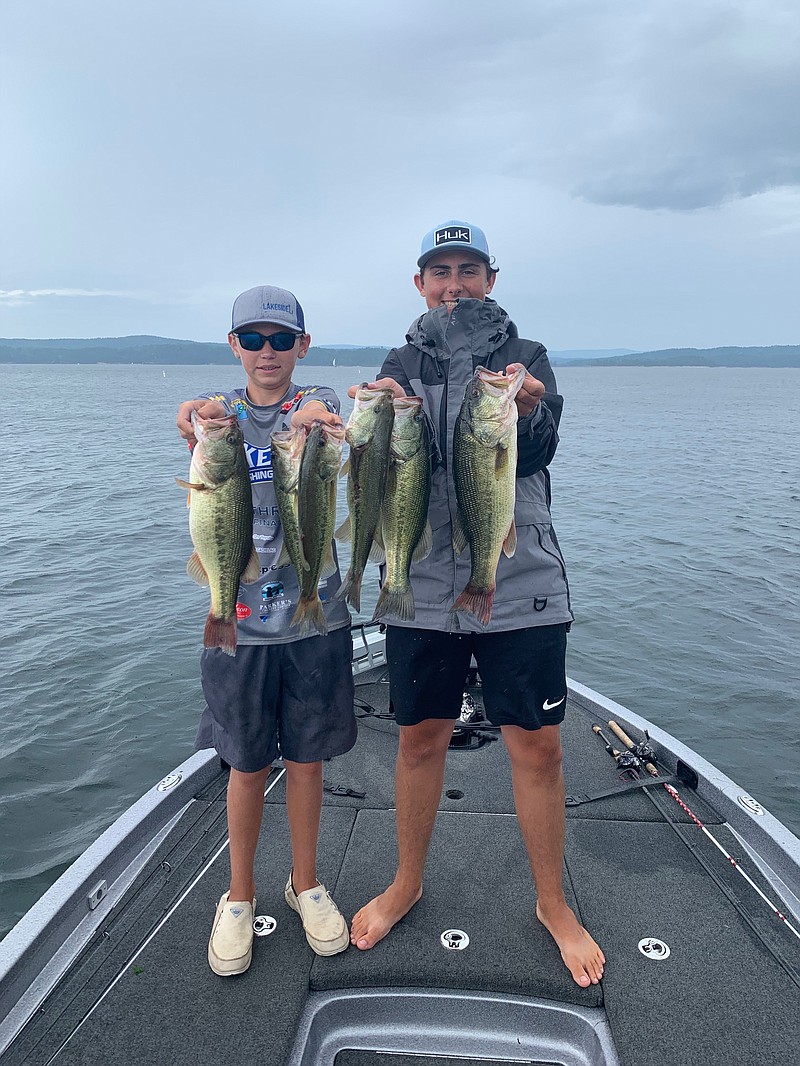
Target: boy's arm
{"type": "Point", "coordinates": [539, 415]}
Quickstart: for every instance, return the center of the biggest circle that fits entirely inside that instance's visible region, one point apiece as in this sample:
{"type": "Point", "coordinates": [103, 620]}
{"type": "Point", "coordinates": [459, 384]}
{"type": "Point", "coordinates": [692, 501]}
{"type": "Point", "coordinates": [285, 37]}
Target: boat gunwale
{"type": "Point", "coordinates": [771, 844]}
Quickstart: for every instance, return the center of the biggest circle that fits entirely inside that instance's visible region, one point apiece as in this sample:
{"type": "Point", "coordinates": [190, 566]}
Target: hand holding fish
{"type": "Point", "coordinates": [531, 391]}
{"type": "Point", "coordinates": [398, 392]}
{"type": "Point", "coordinates": [315, 412]}
{"type": "Point", "coordinates": [207, 410]}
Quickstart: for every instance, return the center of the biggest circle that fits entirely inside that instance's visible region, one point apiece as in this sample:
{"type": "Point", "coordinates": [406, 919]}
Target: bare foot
{"type": "Point", "coordinates": [582, 956]}
{"type": "Point", "coordinates": [380, 915]}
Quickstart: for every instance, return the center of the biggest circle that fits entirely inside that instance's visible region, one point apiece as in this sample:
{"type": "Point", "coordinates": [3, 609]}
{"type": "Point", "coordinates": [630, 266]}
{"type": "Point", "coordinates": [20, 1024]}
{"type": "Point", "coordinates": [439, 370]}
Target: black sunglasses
{"type": "Point", "coordinates": [278, 342]}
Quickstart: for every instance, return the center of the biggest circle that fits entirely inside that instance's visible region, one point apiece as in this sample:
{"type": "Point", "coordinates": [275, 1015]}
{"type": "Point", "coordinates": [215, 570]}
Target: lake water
{"type": "Point", "coordinates": [676, 501]}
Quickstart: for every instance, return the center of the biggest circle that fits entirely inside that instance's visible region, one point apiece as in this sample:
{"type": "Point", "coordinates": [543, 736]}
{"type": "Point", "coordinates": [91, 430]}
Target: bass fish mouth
{"type": "Point", "coordinates": [212, 429]}
{"type": "Point", "coordinates": [497, 384]}
{"type": "Point", "coordinates": [406, 404]}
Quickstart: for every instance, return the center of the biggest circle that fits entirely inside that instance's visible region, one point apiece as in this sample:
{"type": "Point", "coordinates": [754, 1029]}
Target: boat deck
{"type": "Point", "coordinates": [142, 990]}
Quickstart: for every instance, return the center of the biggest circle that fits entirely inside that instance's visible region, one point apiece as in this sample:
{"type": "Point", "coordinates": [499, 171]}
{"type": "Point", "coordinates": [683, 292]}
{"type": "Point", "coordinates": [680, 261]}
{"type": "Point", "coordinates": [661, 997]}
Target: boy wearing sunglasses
{"type": "Point", "coordinates": [280, 691]}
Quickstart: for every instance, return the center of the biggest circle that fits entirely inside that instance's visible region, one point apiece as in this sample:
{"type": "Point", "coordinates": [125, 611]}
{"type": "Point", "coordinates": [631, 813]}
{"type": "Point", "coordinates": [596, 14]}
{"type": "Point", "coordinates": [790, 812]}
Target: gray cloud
{"type": "Point", "coordinates": [311, 145]}
{"type": "Point", "coordinates": [670, 105]}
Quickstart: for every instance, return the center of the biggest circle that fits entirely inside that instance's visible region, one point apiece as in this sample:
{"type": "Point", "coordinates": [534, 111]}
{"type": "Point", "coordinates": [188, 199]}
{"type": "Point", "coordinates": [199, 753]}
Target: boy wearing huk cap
{"type": "Point", "coordinates": [521, 651]}
{"type": "Point", "coordinates": [280, 692]}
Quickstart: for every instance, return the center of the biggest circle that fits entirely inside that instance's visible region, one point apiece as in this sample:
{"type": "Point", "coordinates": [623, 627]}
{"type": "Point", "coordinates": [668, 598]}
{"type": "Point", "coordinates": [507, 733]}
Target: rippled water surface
{"type": "Point", "coordinates": [676, 501]}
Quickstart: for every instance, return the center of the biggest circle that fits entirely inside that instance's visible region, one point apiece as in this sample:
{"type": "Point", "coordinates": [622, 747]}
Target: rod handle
{"type": "Point", "coordinates": [620, 733]}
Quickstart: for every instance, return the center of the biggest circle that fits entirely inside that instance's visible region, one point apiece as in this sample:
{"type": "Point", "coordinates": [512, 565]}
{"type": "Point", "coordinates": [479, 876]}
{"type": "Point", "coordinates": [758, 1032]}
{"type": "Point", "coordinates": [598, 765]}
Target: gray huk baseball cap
{"type": "Point", "coordinates": [267, 304]}
{"type": "Point", "coordinates": [454, 236]}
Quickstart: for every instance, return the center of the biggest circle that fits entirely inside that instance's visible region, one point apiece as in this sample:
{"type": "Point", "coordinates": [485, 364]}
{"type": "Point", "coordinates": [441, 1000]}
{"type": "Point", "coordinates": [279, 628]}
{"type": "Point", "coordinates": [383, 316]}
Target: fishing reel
{"type": "Point", "coordinates": [628, 761]}
{"type": "Point", "coordinates": [644, 750]}
{"type": "Point", "coordinates": [471, 729]}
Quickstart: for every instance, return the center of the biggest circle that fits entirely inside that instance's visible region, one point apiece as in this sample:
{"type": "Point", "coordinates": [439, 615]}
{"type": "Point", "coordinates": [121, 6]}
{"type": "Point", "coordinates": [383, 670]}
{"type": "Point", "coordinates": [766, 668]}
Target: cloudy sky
{"type": "Point", "coordinates": [635, 165]}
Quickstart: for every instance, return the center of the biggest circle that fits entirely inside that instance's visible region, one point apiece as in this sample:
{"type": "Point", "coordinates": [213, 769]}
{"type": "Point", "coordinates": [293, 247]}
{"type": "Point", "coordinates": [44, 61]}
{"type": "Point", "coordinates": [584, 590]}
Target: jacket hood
{"type": "Point", "coordinates": [429, 332]}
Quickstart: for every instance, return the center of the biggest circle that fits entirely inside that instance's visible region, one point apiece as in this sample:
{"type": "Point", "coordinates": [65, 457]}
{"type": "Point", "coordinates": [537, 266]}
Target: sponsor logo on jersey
{"type": "Point", "coordinates": [259, 463]}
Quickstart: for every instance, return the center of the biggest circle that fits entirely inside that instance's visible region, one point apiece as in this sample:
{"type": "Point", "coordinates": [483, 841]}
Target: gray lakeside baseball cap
{"type": "Point", "coordinates": [454, 236]}
{"type": "Point", "coordinates": [268, 304]}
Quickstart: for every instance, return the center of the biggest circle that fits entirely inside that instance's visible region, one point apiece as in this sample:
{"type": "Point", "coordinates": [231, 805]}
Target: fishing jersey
{"type": "Point", "coordinates": [265, 607]}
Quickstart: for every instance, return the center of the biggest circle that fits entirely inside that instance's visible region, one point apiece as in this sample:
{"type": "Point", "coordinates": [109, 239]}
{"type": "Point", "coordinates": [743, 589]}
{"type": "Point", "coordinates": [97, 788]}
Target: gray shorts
{"type": "Point", "coordinates": [292, 699]}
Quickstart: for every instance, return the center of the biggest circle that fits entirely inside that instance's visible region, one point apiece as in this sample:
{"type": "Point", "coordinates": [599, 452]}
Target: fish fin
{"type": "Point", "coordinates": [285, 559]}
{"type": "Point", "coordinates": [310, 615]}
{"type": "Point", "coordinates": [220, 633]}
{"type": "Point", "coordinates": [190, 485]}
{"type": "Point", "coordinates": [345, 470]}
{"type": "Point", "coordinates": [424, 544]}
{"type": "Point", "coordinates": [377, 551]}
{"type": "Point", "coordinates": [350, 590]}
{"type": "Point", "coordinates": [510, 543]}
{"type": "Point", "coordinates": [459, 536]}
{"type": "Point", "coordinates": [252, 572]}
{"type": "Point", "coordinates": [500, 461]}
{"type": "Point", "coordinates": [345, 530]}
{"type": "Point", "coordinates": [397, 602]}
{"type": "Point", "coordinates": [196, 570]}
{"type": "Point", "coordinates": [476, 601]}
{"type": "Point", "coordinates": [328, 565]}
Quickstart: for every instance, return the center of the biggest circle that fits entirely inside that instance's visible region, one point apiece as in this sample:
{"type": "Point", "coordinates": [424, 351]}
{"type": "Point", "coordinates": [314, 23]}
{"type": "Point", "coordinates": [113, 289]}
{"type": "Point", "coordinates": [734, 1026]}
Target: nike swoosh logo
{"type": "Point", "coordinates": [548, 706]}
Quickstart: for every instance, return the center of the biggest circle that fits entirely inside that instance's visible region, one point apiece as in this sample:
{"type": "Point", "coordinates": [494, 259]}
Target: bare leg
{"type": "Point", "coordinates": [304, 805]}
{"type": "Point", "coordinates": [245, 811]}
{"type": "Point", "coordinates": [418, 788]}
{"type": "Point", "coordinates": [539, 798]}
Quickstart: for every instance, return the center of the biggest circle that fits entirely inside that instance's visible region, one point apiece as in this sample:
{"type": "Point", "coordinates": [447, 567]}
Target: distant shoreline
{"type": "Point", "coordinates": [163, 351]}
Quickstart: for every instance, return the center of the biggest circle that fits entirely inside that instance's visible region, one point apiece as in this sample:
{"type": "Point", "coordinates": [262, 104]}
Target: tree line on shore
{"type": "Point", "coordinates": [165, 351]}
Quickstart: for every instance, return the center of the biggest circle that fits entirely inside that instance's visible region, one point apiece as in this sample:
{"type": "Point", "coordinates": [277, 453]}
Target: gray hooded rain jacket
{"type": "Point", "coordinates": [437, 363]}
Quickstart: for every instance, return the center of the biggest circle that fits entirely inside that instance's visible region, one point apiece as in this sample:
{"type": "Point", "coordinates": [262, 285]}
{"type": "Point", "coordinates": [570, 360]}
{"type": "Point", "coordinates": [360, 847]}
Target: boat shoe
{"type": "Point", "coordinates": [325, 928]}
{"type": "Point", "coordinates": [230, 947]}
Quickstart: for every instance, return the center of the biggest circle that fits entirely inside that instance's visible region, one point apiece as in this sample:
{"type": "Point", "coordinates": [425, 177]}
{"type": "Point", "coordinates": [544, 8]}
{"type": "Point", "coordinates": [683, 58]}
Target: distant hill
{"type": "Point", "coordinates": [778, 355]}
{"type": "Point", "coordinates": [570, 356]}
{"type": "Point", "coordinates": [164, 350]}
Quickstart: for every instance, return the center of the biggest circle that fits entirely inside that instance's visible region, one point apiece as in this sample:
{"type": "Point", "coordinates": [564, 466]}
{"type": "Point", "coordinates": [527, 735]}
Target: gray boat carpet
{"type": "Point", "coordinates": [477, 881]}
{"type": "Point", "coordinates": [656, 1015]}
{"type": "Point", "coordinates": [170, 1007]}
{"type": "Point", "coordinates": [479, 780]}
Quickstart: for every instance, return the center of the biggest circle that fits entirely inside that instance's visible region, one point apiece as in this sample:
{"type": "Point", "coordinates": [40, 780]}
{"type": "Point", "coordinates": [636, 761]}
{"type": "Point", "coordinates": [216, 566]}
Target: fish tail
{"type": "Point", "coordinates": [310, 615]}
{"type": "Point", "coordinates": [350, 589]}
{"type": "Point", "coordinates": [220, 633]}
{"type": "Point", "coordinates": [397, 602]}
{"type": "Point", "coordinates": [477, 601]}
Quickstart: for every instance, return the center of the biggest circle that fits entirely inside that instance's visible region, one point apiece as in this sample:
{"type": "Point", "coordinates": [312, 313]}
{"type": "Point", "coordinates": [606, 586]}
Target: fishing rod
{"type": "Point", "coordinates": [644, 753]}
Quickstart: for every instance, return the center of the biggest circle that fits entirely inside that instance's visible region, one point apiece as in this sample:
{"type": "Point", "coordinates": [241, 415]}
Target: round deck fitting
{"type": "Point", "coordinates": [168, 782]}
{"type": "Point", "coordinates": [454, 939]}
{"type": "Point", "coordinates": [653, 948]}
{"type": "Point", "coordinates": [263, 925]}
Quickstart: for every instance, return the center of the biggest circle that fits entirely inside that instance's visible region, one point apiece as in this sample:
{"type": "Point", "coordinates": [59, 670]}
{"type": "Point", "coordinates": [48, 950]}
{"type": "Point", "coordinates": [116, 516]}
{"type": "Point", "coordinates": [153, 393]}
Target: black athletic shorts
{"type": "Point", "coordinates": [292, 699]}
{"type": "Point", "coordinates": [523, 674]}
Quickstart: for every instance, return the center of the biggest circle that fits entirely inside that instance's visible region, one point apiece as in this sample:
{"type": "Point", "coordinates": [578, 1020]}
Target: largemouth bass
{"type": "Point", "coordinates": [287, 455]}
{"type": "Point", "coordinates": [405, 531]}
{"type": "Point", "coordinates": [220, 524]}
{"type": "Point", "coordinates": [368, 432]}
{"type": "Point", "coordinates": [484, 472]}
{"type": "Point", "coordinates": [319, 470]}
